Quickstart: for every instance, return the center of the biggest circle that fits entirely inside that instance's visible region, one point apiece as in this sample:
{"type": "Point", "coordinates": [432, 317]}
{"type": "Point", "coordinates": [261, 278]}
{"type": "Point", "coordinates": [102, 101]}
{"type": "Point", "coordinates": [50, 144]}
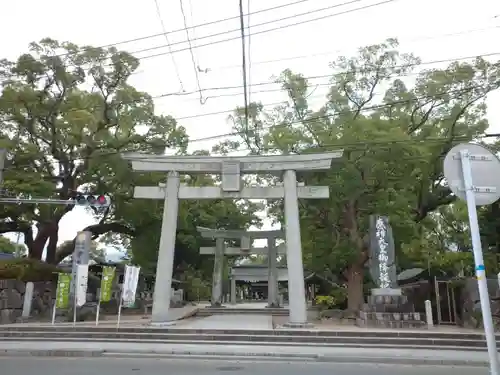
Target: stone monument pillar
{"type": "Point", "coordinates": [387, 307]}
{"type": "Point", "coordinates": [382, 257]}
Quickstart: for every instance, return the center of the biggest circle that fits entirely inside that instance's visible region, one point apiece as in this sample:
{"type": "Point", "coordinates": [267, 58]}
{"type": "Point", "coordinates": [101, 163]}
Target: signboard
{"type": "Point", "coordinates": [63, 289]}
{"type": "Point", "coordinates": [108, 275]}
{"type": "Point", "coordinates": [130, 282]}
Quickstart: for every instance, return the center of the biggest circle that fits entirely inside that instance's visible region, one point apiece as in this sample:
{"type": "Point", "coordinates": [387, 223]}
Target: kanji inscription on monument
{"type": "Point", "coordinates": [382, 257]}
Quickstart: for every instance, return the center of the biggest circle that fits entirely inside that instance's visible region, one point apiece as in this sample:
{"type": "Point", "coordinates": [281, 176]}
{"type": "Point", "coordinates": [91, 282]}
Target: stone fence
{"type": "Point", "coordinates": [12, 294]}
{"type": "Point", "coordinates": [12, 298]}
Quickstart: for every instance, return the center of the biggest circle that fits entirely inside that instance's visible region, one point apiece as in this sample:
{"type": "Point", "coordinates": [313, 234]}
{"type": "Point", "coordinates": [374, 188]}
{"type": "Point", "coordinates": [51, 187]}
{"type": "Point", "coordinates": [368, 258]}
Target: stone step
{"type": "Point", "coordinates": [211, 343]}
{"type": "Point", "coordinates": [224, 311]}
{"type": "Point", "coordinates": [145, 329]}
{"type": "Point", "coordinates": [241, 337]}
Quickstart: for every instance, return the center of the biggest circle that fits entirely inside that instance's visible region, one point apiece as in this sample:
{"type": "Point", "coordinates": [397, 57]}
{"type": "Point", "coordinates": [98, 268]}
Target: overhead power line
{"type": "Point", "coordinates": [324, 117]}
{"type": "Point", "coordinates": [259, 32]}
{"type": "Point", "coordinates": [249, 53]}
{"type": "Point", "coordinates": [259, 84]}
{"type": "Point", "coordinates": [158, 12]}
{"type": "Point", "coordinates": [193, 60]}
{"type": "Point", "coordinates": [146, 37]}
{"type": "Point", "coordinates": [271, 22]}
{"type": "Point", "coordinates": [244, 62]}
{"type": "Point", "coordinates": [386, 143]}
{"type": "Point", "coordinates": [328, 116]}
{"type": "Point", "coordinates": [328, 83]}
{"type": "Point", "coordinates": [334, 52]}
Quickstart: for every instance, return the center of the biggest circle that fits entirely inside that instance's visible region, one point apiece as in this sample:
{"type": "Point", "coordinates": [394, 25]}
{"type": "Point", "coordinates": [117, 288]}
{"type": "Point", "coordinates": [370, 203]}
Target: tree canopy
{"type": "Point", "coordinates": [67, 112]}
{"type": "Point", "coordinates": [394, 135]}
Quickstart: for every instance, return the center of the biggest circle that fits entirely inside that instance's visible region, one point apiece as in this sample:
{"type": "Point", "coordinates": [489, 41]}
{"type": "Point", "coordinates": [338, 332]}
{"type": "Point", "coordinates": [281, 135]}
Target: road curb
{"type": "Point", "coordinates": [50, 353]}
{"type": "Point", "coordinates": [250, 356]}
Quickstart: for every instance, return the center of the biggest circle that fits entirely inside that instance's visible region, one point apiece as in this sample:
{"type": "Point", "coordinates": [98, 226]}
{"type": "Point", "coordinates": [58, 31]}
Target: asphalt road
{"type": "Point", "coordinates": [153, 366]}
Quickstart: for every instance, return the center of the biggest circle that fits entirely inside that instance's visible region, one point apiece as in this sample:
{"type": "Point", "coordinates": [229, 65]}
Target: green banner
{"type": "Point", "coordinates": [108, 274]}
{"type": "Point", "coordinates": [62, 293]}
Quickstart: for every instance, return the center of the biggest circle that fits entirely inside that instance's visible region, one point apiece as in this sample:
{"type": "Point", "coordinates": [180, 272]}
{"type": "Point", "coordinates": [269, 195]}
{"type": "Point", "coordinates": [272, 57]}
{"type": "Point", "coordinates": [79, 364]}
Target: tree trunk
{"type": "Point", "coordinates": [354, 273]}
{"type": "Point", "coordinates": [52, 246]}
{"type": "Point", "coordinates": [355, 296]}
{"type": "Point", "coordinates": [45, 231]}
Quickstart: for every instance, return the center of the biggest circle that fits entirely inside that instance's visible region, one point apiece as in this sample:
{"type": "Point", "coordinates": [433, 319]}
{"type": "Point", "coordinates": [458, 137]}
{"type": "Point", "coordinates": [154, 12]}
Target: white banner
{"type": "Point", "coordinates": [82, 277]}
{"type": "Point", "coordinates": [130, 281]}
{"type": "Point", "coordinates": [80, 255]}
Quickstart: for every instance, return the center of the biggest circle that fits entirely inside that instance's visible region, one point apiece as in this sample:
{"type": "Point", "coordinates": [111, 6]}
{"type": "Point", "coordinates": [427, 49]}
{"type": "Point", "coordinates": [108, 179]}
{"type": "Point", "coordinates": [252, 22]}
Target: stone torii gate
{"type": "Point", "coordinates": [231, 169]}
{"type": "Point", "coordinates": [246, 237]}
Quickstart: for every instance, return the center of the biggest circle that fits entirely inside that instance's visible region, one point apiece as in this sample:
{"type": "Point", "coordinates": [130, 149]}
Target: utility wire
{"type": "Point", "coordinates": [330, 116]}
{"type": "Point", "coordinates": [334, 52]}
{"type": "Point", "coordinates": [344, 112]}
{"type": "Point", "coordinates": [259, 32]}
{"type": "Point", "coordinates": [191, 27]}
{"type": "Point", "coordinates": [365, 70]}
{"type": "Point", "coordinates": [202, 100]}
{"type": "Point", "coordinates": [249, 54]}
{"type": "Point", "coordinates": [293, 16]}
{"type": "Point", "coordinates": [328, 83]}
{"type": "Point", "coordinates": [244, 63]}
{"type": "Point", "coordinates": [329, 146]}
{"type": "Point", "coordinates": [158, 12]}
{"type": "Point", "coordinates": [193, 33]}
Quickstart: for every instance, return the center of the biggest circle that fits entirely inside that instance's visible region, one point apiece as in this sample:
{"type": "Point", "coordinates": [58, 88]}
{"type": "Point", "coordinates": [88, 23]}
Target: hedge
{"type": "Point", "coordinates": [26, 269]}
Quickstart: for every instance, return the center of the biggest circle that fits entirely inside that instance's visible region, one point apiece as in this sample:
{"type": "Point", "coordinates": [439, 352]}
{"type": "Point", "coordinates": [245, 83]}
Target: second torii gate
{"type": "Point", "coordinates": [246, 237]}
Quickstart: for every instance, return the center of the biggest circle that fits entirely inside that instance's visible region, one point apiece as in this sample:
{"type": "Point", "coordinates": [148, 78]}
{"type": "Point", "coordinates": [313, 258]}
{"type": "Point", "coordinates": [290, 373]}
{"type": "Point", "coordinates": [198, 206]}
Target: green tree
{"type": "Point", "coordinates": [489, 219]}
{"type": "Point", "coordinates": [7, 246]}
{"type": "Point", "coordinates": [66, 113]}
{"type": "Point", "coordinates": [393, 136]}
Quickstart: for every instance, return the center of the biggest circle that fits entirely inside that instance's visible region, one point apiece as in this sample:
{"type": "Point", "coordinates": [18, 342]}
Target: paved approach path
{"type": "Point", "coordinates": [151, 366]}
{"type": "Point", "coordinates": [230, 321]}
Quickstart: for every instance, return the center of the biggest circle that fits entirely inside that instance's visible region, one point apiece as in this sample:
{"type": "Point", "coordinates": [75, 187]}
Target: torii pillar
{"type": "Point", "coordinates": [231, 169]}
{"type": "Point", "coordinates": [246, 237]}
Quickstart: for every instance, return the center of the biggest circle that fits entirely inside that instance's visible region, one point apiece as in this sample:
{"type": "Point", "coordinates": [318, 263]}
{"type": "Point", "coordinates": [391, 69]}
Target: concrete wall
{"type": "Point", "coordinates": [12, 297]}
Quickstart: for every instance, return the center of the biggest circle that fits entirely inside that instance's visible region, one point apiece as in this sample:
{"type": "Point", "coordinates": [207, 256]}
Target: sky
{"type": "Point", "coordinates": [433, 30]}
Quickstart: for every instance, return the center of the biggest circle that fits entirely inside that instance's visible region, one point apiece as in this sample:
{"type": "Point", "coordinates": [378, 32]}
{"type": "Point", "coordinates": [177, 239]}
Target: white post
{"type": "Point", "coordinates": [119, 317]}
{"type": "Point", "coordinates": [98, 311]}
{"type": "Point", "coordinates": [165, 264]}
{"type": "Point", "coordinates": [74, 303]}
{"type": "Point", "coordinates": [28, 299]}
{"type": "Point", "coordinates": [296, 289]}
{"type": "Point", "coordinates": [498, 277]}
{"type": "Point", "coordinates": [428, 314]}
{"type": "Point", "coordinates": [478, 259]}
{"type": "Point", "coordinates": [54, 311]}
{"type": "Point", "coordinates": [272, 277]}
{"type": "Point", "coordinates": [218, 274]}
{"type": "Point", "coordinates": [233, 290]}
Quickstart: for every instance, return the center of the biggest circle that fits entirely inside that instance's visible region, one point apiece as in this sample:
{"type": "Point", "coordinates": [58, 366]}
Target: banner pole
{"type": "Point", "coordinates": [119, 309]}
{"type": "Point", "coordinates": [98, 310]}
{"type": "Point", "coordinates": [54, 311]}
{"type": "Point", "coordinates": [74, 310]}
